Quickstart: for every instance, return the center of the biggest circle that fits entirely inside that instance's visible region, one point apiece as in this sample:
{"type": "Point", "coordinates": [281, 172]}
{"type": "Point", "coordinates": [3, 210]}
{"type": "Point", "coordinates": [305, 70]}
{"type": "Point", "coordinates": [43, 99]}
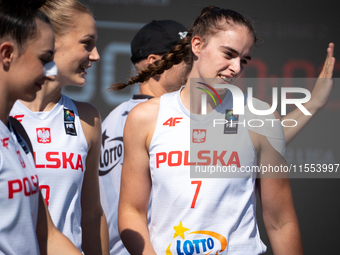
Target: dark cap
{"type": "Point", "coordinates": [157, 37]}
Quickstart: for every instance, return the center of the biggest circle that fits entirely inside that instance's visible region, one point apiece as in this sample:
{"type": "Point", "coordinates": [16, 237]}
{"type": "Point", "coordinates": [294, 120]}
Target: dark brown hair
{"type": "Point", "coordinates": [206, 25]}
{"type": "Point", "coordinates": [18, 20]}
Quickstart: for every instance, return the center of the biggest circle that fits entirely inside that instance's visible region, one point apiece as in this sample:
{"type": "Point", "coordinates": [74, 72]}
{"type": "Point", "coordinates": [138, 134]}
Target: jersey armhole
{"type": "Point", "coordinates": [19, 130]}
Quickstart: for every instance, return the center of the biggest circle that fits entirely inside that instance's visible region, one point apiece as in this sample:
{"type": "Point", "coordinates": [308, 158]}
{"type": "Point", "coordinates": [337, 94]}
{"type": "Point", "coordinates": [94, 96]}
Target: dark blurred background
{"type": "Point", "coordinates": [296, 34]}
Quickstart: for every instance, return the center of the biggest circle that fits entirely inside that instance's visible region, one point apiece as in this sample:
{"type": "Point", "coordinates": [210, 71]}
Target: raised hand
{"type": "Point", "coordinates": [324, 82]}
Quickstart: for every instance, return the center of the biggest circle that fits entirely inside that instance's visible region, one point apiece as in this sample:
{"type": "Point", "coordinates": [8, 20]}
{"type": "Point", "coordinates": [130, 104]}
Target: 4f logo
{"type": "Point", "coordinates": [5, 142]}
{"type": "Point", "coordinates": [172, 121]}
{"type": "Point", "coordinates": [19, 117]}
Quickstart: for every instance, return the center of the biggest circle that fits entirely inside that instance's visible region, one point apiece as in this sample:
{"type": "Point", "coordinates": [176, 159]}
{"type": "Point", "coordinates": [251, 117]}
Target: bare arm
{"type": "Point", "coordinates": [94, 225]}
{"type": "Point", "coordinates": [318, 99]}
{"type": "Point", "coordinates": [278, 210]}
{"type": "Point", "coordinates": [50, 240]}
{"type": "Point", "coordinates": [136, 181]}
{"type": "Point", "coordinates": [279, 216]}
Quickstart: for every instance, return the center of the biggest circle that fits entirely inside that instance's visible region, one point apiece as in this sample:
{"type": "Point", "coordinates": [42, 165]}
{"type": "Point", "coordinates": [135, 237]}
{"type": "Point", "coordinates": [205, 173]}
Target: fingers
{"type": "Point", "coordinates": [327, 70]}
{"type": "Point", "coordinates": [331, 61]}
{"type": "Point", "coordinates": [330, 49]}
{"type": "Point", "coordinates": [330, 53]}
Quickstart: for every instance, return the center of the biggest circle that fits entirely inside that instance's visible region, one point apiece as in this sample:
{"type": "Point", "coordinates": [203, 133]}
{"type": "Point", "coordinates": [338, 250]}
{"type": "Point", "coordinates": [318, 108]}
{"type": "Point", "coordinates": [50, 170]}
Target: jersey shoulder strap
{"type": "Point", "coordinates": [21, 135]}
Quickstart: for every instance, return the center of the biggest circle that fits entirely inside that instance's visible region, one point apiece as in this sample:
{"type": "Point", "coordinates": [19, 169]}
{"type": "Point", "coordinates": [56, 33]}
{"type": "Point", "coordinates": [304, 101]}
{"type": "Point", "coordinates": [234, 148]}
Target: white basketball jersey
{"type": "Point", "coordinates": [207, 215]}
{"type": "Point", "coordinates": [110, 169]}
{"type": "Point", "coordinates": [60, 149]}
{"type": "Point", "coordinates": [19, 196]}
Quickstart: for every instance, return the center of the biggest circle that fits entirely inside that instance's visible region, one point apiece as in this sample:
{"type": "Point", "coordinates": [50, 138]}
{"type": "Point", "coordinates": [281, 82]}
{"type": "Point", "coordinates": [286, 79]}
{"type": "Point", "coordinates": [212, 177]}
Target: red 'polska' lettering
{"type": "Point", "coordinates": [160, 158]}
{"type": "Point", "coordinates": [61, 160]}
{"type": "Point", "coordinates": [205, 157]}
{"type": "Point", "coordinates": [67, 160]}
{"type": "Point", "coordinates": [56, 160]}
{"type": "Point", "coordinates": [27, 185]}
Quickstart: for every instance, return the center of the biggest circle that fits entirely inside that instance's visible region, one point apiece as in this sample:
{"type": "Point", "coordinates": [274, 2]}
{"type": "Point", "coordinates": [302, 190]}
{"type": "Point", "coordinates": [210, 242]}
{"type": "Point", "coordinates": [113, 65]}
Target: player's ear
{"type": "Point", "coordinates": [6, 53]}
{"type": "Point", "coordinates": [152, 58]}
{"type": "Point", "coordinates": [197, 45]}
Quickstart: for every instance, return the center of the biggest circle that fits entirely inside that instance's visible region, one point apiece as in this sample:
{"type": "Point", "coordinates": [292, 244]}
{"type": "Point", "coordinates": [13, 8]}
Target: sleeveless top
{"type": "Point", "coordinates": [201, 215]}
{"type": "Point", "coordinates": [60, 149]}
{"type": "Point", "coordinates": [19, 195]}
{"type": "Point", "coordinates": [110, 169]}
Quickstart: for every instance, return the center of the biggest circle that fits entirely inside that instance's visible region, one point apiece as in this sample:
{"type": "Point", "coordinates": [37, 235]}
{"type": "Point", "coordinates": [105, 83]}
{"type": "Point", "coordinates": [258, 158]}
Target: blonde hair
{"type": "Point", "coordinates": [62, 12]}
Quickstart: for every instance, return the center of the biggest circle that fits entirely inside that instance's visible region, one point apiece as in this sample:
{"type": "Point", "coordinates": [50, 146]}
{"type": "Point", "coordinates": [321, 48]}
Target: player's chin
{"type": "Point", "coordinates": [79, 81]}
{"type": "Point", "coordinates": [30, 96]}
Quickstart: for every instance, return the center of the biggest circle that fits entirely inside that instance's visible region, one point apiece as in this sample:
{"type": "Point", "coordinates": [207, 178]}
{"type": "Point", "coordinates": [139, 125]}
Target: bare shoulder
{"type": "Point", "coordinates": [141, 121]}
{"type": "Point", "coordinates": [145, 112]}
{"type": "Point", "coordinates": [90, 121]}
{"type": "Point", "coordinates": [87, 112]}
{"type": "Point", "coordinates": [270, 128]}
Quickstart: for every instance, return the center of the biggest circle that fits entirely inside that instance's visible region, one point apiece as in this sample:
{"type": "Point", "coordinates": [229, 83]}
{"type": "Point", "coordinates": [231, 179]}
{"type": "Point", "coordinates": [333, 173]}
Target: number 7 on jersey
{"type": "Point", "coordinates": [198, 183]}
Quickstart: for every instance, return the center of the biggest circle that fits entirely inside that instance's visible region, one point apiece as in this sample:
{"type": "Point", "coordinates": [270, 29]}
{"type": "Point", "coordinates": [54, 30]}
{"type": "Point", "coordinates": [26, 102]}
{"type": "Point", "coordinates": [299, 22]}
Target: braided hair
{"type": "Point", "coordinates": [206, 25]}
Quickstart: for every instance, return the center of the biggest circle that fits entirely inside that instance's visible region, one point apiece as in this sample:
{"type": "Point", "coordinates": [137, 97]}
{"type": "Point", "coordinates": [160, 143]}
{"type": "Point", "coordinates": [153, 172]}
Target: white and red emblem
{"type": "Point", "coordinates": [21, 159]}
{"type": "Point", "coordinates": [44, 135]}
{"type": "Point", "coordinates": [198, 135]}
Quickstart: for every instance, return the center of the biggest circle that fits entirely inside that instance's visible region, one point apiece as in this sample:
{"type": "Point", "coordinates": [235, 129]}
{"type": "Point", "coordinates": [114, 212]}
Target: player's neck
{"type": "Point", "coordinates": [6, 102]}
{"type": "Point", "coordinates": [45, 100]}
{"type": "Point", "coordinates": [151, 88]}
{"type": "Point", "coordinates": [4, 113]}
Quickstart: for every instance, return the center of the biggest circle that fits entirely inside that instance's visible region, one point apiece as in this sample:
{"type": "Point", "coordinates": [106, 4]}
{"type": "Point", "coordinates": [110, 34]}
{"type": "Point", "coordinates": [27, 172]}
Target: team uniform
{"type": "Point", "coordinates": [60, 149]}
{"type": "Point", "coordinates": [19, 195]}
{"type": "Point", "coordinates": [207, 215]}
{"type": "Point", "coordinates": [110, 168]}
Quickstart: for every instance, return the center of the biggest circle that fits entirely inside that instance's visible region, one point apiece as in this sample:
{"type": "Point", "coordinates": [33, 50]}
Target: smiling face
{"type": "Point", "coordinates": [76, 51]}
{"type": "Point", "coordinates": [27, 66]}
{"type": "Point", "coordinates": [223, 56]}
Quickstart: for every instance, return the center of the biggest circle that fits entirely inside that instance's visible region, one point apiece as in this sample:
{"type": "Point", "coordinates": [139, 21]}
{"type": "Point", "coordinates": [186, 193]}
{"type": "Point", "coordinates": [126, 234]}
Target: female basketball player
{"type": "Point", "coordinates": [26, 55]}
{"type": "Point", "coordinates": [209, 215]}
{"type": "Point", "coordinates": [66, 134]}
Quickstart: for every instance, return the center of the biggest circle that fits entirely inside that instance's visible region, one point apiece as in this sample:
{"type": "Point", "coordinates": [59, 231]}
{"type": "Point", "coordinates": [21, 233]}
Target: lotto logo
{"type": "Point", "coordinates": [198, 135]}
{"type": "Point", "coordinates": [44, 135]}
{"type": "Point", "coordinates": [172, 121]}
{"type": "Point", "coordinates": [187, 242]}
